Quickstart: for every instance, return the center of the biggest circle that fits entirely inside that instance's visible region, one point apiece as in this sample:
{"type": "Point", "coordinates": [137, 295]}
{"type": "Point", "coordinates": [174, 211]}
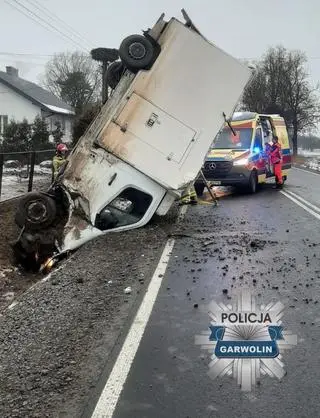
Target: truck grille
{"type": "Point", "coordinates": [217, 168]}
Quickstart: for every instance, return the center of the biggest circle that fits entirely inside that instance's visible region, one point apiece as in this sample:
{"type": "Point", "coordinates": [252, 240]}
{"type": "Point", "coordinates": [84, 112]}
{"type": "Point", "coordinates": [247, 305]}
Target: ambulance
{"type": "Point", "coordinates": [238, 157]}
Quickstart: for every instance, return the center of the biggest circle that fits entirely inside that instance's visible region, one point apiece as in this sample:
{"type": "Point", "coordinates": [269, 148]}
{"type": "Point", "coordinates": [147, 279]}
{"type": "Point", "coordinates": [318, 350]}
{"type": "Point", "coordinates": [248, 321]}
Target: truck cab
{"type": "Point", "coordinates": [238, 157]}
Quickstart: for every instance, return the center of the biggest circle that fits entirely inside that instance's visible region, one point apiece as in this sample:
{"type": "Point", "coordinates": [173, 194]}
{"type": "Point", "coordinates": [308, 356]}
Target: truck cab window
{"type": "Point", "coordinates": [127, 208]}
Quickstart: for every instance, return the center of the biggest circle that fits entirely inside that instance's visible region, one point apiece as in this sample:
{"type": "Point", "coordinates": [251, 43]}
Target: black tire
{"type": "Point", "coordinates": [35, 211]}
{"type": "Point", "coordinates": [114, 74]}
{"type": "Point", "coordinates": [253, 183]}
{"type": "Point", "coordinates": [137, 53]}
{"type": "Point", "coordinates": [199, 188]}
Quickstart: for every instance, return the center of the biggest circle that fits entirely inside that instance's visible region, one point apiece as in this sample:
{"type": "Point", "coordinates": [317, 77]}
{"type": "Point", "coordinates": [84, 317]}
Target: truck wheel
{"type": "Point", "coordinates": [253, 183]}
{"type": "Point", "coordinates": [114, 74]}
{"type": "Point", "coordinates": [199, 188]}
{"type": "Point", "coordinates": [35, 211]}
{"type": "Point", "coordinates": [137, 53]}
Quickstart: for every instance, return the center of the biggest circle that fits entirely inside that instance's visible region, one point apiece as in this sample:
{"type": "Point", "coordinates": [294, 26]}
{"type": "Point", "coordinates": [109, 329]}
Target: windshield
{"type": "Point", "coordinates": [226, 139]}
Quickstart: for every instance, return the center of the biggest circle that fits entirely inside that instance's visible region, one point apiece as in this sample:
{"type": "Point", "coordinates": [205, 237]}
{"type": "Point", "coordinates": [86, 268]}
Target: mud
{"type": "Point", "coordinates": [13, 280]}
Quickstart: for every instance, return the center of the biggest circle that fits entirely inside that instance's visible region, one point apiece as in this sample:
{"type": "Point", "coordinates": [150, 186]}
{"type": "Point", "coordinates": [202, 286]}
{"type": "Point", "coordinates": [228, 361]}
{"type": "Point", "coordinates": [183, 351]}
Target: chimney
{"type": "Point", "coordinates": [12, 71]}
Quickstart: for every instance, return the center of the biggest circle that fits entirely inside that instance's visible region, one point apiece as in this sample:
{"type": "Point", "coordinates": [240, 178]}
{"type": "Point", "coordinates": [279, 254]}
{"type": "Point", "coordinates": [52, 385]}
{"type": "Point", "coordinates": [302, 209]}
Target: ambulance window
{"type": "Point", "coordinates": [127, 208]}
{"type": "Point", "coordinates": [257, 145]}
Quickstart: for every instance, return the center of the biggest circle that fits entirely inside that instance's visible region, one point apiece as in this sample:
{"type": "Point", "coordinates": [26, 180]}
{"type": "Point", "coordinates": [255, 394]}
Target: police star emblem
{"type": "Point", "coordinates": [246, 340]}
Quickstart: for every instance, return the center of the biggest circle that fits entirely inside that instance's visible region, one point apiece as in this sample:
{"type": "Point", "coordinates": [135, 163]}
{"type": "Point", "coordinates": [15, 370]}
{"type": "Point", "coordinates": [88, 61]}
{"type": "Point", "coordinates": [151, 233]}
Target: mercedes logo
{"type": "Point", "coordinates": [212, 166]}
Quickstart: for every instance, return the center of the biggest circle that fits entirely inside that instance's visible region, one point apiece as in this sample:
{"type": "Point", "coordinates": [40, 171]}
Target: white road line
{"type": "Point", "coordinates": [110, 395]}
{"type": "Point", "coordinates": [297, 202]}
{"type": "Point", "coordinates": [306, 171]}
{"type": "Point", "coordinates": [296, 196]}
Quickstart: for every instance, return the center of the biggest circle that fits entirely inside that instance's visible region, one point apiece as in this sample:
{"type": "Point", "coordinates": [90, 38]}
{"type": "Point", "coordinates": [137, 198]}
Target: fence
{"type": "Point", "coordinates": [22, 172]}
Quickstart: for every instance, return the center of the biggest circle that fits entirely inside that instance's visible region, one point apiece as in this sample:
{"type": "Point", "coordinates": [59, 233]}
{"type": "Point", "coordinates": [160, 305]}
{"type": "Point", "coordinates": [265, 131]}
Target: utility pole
{"type": "Point", "coordinates": [104, 95]}
{"type": "Point", "coordinates": [106, 56]}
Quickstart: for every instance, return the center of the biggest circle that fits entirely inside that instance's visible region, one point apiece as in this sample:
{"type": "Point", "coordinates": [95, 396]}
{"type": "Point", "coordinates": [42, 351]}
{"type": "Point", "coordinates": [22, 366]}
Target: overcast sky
{"type": "Point", "coordinates": [244, 28]}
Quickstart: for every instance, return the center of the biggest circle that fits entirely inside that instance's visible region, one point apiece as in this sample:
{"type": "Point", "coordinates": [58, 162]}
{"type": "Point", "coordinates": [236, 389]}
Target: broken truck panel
{"type": "Point", "coordinates": [149, 140]}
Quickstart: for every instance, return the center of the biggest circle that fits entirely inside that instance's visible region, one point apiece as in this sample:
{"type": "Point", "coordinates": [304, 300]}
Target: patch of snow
{"type": "Point", "coordinates": [15, 186]}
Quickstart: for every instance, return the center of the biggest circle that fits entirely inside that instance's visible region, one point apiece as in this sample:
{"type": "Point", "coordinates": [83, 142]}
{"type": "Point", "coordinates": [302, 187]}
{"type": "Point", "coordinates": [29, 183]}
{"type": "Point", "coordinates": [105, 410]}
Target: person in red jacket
{"type": "Point", "coordinates": [276, 161]}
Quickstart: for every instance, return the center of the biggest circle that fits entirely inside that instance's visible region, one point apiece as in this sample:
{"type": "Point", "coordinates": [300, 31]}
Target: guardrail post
{"type": "Point", "coordinates": [33, 160]}
{"type": "Point", "coordinates": [1, 170]}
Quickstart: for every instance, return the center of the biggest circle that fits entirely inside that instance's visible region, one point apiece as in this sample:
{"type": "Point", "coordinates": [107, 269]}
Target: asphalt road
{"type": "Point", "coordinates": [168, 377]}
{"type": "Point", "coordinates": [61, 344]}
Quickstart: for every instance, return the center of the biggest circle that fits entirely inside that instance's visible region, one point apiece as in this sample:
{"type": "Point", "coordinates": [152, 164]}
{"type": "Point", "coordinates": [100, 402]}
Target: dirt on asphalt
{"type": "Point", "coordinates": [74, 318]}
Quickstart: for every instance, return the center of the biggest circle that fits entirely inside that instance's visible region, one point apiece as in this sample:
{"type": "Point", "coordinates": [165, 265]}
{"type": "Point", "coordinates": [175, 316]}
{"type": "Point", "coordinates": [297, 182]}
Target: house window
{"type": "Point", "coordinates": [3, 123]}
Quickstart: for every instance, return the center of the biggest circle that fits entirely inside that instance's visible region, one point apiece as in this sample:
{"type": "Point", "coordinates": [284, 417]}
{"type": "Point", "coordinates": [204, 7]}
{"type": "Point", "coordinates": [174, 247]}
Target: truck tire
{"type": "Point", "coordinates": [137, 53]}
{"type": "Point", "coordinates": [35, 211]}
{"type": "Point", "coordinates": [199, 188]}
{"type": "Point", "coordinates": [253, 183]}
{"type": "Point", "coordinates": [114, 74]}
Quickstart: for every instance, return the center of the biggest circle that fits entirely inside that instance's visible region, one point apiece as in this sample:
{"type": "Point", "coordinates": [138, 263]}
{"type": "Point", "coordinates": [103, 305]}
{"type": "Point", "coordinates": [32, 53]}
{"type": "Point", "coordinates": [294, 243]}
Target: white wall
{"type": "Point", "coordinates": [16, 106]}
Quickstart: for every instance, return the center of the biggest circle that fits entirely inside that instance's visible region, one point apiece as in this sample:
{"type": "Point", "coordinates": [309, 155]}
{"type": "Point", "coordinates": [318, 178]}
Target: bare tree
{"type": "Point", "coordinates": [281, 86]}
{"type": "Point", "coordinates": [75, 78]}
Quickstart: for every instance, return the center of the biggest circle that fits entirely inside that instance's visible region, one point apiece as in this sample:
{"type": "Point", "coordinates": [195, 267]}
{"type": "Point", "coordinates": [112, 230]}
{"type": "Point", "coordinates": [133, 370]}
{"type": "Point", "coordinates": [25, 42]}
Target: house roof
{"type": "Point", "coordinates": [37, 94]}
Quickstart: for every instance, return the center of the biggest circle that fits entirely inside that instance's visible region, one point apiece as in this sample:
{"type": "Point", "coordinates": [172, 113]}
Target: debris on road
{"type": "Point", "coordinates": [127, 290]}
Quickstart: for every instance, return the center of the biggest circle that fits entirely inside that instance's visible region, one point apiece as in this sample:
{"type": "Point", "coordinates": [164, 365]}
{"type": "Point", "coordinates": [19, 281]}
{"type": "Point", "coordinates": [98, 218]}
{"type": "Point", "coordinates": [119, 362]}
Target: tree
{"type": "Point", "coordinates": [40, 135]}
{"type": "Point", "coordinates": [309, 142]}
{"type": "Point", "coordinates": [16, 137]}
{"type": "Point", "coordinates": [75, 78]}
{"type": "Point", "coordinates": [281, 85]}
{"type": "Point", "coordinates": [82, 123]}
{"type": "Point", "coordinates": [57, 133]}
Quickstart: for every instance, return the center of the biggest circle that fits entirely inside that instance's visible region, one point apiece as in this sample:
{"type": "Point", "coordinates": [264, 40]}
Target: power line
{"type": "Point", "coordinates": [51, 15]}
{"type": "Point", "coordinates": [259, 58]}
{"type": "Point", "coordinates": [30, 12]}
{"type": "Point", "coordinates": [18, 54]}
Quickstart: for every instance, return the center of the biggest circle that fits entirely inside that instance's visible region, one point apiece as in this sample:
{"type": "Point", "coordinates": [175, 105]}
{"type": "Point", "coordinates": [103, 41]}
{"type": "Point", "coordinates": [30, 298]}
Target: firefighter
{"type": "Point", "coordinates": [59, 159]}
{"type": "Point", "coordinates": [189, 196]}
{"type": "Point", "coordinates": [276, 161]}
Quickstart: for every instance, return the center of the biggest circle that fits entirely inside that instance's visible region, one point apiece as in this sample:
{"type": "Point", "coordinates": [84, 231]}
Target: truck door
{"type": "Point", "coordinates": [259, 157]}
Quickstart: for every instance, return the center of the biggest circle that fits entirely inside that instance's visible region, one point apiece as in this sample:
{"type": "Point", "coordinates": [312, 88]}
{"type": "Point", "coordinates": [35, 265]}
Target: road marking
{"type": "Point", "coordinates": [110, 395]}
{"type": "Point", "coordinates": [296, 196]}
{"type": "Point", "coordinates": [306, 171]}
{"type": "Point", "coordinates": [297, 202]}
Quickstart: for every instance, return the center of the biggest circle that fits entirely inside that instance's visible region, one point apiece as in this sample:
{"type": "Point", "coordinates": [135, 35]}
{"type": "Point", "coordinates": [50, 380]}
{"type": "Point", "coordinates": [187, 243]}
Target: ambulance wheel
{"type": "Point", "coordinates": [114, 74]}
{"type": "Point", "coordinates": [253, 183]}
{"type": "Point", "coordinates": [199, 188]}
{"type": "Point", "coordinates": [137, 53]}
{"type": "Point", "coordinates": [35, 211]}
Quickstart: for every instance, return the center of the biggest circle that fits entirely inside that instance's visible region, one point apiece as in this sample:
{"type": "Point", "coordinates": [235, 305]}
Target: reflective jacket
{"type": "Point", "coordinates": [276, 154]}
{"type": "Point", "coordinates": [57, 163]}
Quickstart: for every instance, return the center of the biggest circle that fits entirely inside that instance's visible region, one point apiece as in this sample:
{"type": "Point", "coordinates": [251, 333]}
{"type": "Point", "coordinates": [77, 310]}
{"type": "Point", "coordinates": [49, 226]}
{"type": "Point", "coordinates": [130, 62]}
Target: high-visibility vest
{"type": "Point", "coordinates": [57, 163]}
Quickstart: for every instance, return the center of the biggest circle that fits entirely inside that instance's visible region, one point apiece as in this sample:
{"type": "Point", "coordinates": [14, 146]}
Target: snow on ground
{"type": "Point", "coordinates": [14, 186]}
{"type": "Point", "coordinates": [309, 154]}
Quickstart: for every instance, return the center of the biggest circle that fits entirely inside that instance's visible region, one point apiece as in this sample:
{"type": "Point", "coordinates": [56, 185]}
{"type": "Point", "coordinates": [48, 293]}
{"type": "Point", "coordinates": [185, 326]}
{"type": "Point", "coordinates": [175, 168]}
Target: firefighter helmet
{"type": "Point", "coordinates": [62, 148]}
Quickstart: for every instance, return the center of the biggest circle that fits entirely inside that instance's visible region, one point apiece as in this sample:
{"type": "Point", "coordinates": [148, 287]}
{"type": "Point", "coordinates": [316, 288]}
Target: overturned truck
{"type": "Point", "coordinates": [171, 94]}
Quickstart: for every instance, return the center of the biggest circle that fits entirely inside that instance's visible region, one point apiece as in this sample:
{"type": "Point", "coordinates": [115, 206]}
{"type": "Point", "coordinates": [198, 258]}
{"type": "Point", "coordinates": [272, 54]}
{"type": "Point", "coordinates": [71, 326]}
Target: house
{"type": "Point", "coordinates": [21, 99]}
